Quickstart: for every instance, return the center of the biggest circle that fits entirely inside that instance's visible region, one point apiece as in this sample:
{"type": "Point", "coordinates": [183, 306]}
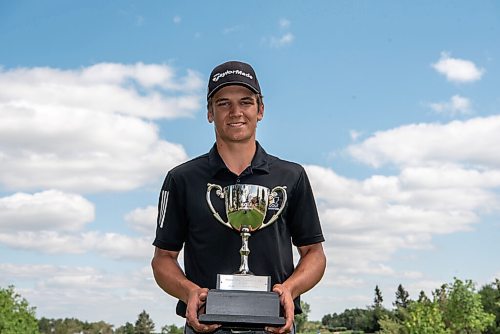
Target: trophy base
{"type": "Point", "coordinates": [238, 309]}
{"type": "Point", "coordinates": [243, 322]}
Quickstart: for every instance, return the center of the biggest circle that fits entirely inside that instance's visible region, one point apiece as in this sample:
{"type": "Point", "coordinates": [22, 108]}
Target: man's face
{"type": "Point", "coordinates": [235, 113]}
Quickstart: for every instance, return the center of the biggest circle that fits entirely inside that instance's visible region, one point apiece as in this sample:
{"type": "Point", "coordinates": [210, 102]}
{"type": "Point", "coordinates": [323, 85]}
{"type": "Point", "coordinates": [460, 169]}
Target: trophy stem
{"type": "Point", "coordinates": [244, 251]}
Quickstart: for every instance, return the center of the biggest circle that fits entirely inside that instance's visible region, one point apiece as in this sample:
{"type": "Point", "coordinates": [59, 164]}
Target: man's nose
{"type": "Point", "coordinates": [236, 110]}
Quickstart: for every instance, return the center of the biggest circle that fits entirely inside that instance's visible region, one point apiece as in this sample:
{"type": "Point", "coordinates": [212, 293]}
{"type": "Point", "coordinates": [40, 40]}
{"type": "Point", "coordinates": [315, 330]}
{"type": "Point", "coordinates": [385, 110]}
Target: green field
{"type": "Point", "coordinates": [251, 218]}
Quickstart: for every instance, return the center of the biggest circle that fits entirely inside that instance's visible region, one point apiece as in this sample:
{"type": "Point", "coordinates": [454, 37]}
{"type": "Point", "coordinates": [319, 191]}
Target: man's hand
{"type": "Point", "coordinates": [195, 304]}
{"type": "Point", "coordinates": [286, 301]}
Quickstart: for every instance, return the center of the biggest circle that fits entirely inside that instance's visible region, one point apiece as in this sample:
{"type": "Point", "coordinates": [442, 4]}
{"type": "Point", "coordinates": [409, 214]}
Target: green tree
{"type": "Point", "coordinates": [100, 327]}
{"type": "Point", "coordinates": [490, 299]}
{"type": "Point", "coordinates": [422, 297]}
{"type": "Point", "coordinates": [390, 326]}
{"type": "Point", "coordinates": [379, 312]}
{"type": "Point", "coordinates": [440, 296]}
{"type": "Point", "coordinates": [172, 329]}
{"type": "Point", "coordinates": [68, 325]}
{"type": "Point", "coordinates": [45, 325]}
{"type": "Point", "coordinates": [16, 316]}
{"type": "Point", "coordinates": [402, 297]}
{"type": "Point", "coordinates": [401, 303]}
{"type": "Point", "coordinates": [378, 300]}
{"type": "Point", "coordinates": [301, 319]}
{"type": "Point", "coordinates": [72, 325]}
{"type": "Point", "coordinates": [128, 328]}
{"type": "Point", "coordinates": [353, 319]}
{"type": "Point", "coordinates": [144, 324]}
{"type": "Point", "coordinates": [425, 318]}
{"type": "Point", "coordinates": [463, 311]}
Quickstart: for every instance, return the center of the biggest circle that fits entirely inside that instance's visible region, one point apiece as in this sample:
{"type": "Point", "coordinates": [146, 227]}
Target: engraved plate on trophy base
{"type": "Point", "coordinates": [243, 282]}
{"type": "Point", "coordinates": [242, 309]}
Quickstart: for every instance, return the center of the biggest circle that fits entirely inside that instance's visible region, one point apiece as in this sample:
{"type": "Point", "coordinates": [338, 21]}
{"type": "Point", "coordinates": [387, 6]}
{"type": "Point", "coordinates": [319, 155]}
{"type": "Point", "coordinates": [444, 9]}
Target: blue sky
{"type": "Point", "coordinates": [390, 106]}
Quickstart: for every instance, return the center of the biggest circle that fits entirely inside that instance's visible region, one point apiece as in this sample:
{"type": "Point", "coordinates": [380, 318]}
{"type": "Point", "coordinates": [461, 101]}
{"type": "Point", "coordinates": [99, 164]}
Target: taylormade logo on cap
{"type": "Point", "coordinates": [232, 73]}
{"type": "Point", "coordinates": [217, 76]}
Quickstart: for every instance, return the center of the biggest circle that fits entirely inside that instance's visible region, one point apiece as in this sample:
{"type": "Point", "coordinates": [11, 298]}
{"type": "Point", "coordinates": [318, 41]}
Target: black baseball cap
{"type": "Point", "coordinates": [232, 73]}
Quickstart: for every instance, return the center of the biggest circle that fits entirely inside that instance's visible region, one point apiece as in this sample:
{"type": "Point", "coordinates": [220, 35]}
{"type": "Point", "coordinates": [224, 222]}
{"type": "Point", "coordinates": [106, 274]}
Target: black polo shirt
{"type": "Point", "coordinates": [210, 248]}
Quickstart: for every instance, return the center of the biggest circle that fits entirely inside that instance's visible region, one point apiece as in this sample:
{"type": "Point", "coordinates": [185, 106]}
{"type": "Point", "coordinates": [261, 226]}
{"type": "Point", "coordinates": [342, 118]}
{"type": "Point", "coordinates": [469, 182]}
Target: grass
{"type": "Point", "coordinates": [252, 218]}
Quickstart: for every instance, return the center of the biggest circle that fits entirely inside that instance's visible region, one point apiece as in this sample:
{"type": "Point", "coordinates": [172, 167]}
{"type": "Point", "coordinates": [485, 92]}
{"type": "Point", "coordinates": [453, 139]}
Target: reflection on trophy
{"type": "Point", "coordinates": [243, 300]}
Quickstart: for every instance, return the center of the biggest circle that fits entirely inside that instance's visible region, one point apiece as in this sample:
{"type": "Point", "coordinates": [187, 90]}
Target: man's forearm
{"type": "Point", "coordinates": [309, 270]}
{"type": "Point", "coordinates": [169, 275]}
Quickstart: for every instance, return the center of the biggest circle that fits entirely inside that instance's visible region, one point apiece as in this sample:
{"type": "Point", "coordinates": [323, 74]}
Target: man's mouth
{"type": "Point", "coordinates": [236, 124]}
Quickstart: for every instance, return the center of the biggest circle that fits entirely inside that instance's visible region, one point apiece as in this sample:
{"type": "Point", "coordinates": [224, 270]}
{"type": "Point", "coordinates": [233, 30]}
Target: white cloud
{"type": "Point", "coordinates": [367, 222]}
{"type": "Point", "coordinates": [117, 246]}
{"type": "Point", "coordinates": [412, 275]}
{"type": "Point", "coordinates": [143, 220]}
{"type": "Point", "coordinates": [51, 222]}
{"type": "Point", "coordinates": [135, 90]}
{"type": "Point", "coordinates": [354, 134]}
{"type": "Point", "coordinates": [111, 245]}
{"type": "Point", "coordinates": [284, 23]}
{"type": "Point", "coordinates": [85, 130]}
{"type": "Point", "coordinates": [47, 210]}
{"type": "Point", "coordinates": [458, 105]}
{"type": "Point", "coordinates": [472, 142]}
{"type": "Point", "coordinates": [284, 40]}
{"type": "Point", "coordinates": [448, 177]}
{"type": "Point", "coordinates": [458, 70]}
{"type": "Point", "coordinates": [49, 242]}
{"type": "Point", "coordinates": [286, 37]}
{"type": "Point", "coordinates": [177, 19]}
{"type": "Point", "coordinates": [25, 271]}
{"type": "Point", "coordinates": [342, 281]}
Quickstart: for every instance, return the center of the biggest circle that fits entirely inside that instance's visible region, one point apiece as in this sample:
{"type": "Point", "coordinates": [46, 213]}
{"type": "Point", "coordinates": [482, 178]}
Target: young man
{"type": "Point", "coordinates": [235, 106]}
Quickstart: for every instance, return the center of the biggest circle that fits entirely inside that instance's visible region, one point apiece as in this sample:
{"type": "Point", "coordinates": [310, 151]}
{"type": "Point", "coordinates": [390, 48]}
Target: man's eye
{"type": "Point", "coordinates": [222, 104]}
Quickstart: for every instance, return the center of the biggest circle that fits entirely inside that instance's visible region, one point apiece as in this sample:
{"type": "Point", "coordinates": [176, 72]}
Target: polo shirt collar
{"type": "Point", "coordinates": [259, 161]}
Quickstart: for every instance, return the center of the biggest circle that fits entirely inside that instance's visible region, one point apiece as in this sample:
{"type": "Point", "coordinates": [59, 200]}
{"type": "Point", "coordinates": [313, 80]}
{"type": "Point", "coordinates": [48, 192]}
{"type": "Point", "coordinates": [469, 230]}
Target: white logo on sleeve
{"type": "Point", "coordinates": [163, 206]}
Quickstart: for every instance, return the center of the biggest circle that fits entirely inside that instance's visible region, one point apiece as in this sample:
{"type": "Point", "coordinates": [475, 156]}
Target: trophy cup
{"type": "Point", "coordinates": [244, 300]}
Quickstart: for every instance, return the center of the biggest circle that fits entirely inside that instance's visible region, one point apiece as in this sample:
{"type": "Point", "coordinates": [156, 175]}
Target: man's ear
{"type": "Point", "coordinates": [210, 115]}
{"type": "Point", "coordinates": [260, 114]}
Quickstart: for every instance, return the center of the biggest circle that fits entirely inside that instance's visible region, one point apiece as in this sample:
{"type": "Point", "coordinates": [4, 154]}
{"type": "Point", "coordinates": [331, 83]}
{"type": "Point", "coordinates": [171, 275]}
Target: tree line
{"type": "Point", "coordinates": [143, 325]}
{"type": "Point", "coordinates": [18, 317]}
{"type": "Point", "coordinates": [453, 308]}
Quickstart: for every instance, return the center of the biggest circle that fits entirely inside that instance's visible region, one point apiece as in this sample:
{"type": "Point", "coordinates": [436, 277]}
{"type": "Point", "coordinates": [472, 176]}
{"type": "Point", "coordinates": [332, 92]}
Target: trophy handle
{"type": "Point", "coordinates": [276, 215]}
{"type": "Point", "coordinates": [219, 193]}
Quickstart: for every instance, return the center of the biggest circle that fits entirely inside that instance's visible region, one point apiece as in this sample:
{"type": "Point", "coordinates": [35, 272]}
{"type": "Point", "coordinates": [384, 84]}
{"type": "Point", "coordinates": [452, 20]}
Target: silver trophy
{"type": "Point", "coordinates": [243, 300]}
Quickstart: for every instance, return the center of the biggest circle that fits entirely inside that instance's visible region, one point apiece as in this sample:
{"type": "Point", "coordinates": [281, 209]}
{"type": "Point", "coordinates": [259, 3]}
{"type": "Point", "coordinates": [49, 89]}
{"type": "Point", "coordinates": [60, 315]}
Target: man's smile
{"type": "Point", "coordinates": [236, 124]}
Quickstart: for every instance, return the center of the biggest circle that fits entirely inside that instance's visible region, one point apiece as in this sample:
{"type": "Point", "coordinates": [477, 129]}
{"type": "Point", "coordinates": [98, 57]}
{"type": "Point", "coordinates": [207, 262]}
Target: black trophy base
{"type": "Point", "coordinates": [242, 309]}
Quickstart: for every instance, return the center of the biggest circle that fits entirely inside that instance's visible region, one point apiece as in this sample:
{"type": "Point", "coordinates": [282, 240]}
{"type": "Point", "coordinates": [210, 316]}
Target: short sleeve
{"type": "Point", "coordinates": [302, 214]}
{"type": "Point", "coordinates": [171, 224]}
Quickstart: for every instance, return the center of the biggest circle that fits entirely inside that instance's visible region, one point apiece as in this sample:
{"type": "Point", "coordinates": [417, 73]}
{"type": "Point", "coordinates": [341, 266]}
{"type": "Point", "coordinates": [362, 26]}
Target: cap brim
{"type": "Point", "coordinates": [232, 83]}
